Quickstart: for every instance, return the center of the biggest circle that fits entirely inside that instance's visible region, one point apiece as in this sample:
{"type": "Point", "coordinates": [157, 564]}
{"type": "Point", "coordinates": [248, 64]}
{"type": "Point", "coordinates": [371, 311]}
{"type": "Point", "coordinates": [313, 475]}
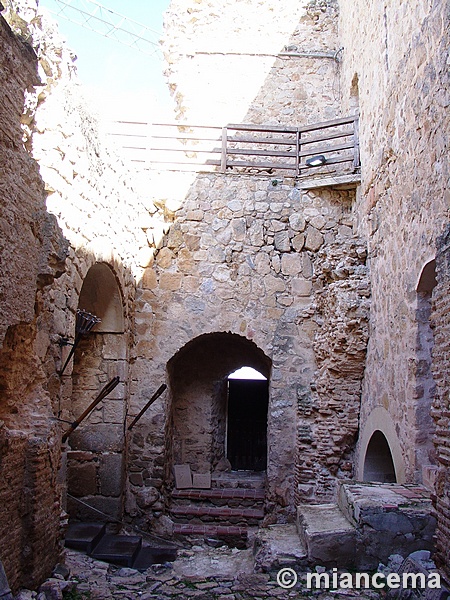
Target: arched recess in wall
{"type": "Point", "coordinates": [425, 384]}
{"type": "Point", "coordinates": [378, 463]}
{"type": "Point", "coordinates": [354, 95]}
{"type": "Point", "coordinates": [379, 419]}
{"type": "Point", "coordinates": [96, 455]}
{"type": "Point", "coordinates": [200, 393]}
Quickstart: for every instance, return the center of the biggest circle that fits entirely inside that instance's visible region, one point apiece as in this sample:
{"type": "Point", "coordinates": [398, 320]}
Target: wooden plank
{"type": "Point", "coordinates": [262, 128]}
{"type": "Point", "coordinates": [255, 165]}
{"type": "Point", "coordinates": [326, 150]}
{"type": "Point", "coordinates": [326, 124]}
{"type": "Point", "coordinates": [250, 152]}
{"type": "Point", "coordinates": [329, 136]}
{"type": "Point", "coordinates": [330, 161]}
{"type": "Point", "coordinates": [255, 140]}
{"type": "Point", "coordinates": [185, 150]}
{"type": "Point", "coordinates": [347, 180]}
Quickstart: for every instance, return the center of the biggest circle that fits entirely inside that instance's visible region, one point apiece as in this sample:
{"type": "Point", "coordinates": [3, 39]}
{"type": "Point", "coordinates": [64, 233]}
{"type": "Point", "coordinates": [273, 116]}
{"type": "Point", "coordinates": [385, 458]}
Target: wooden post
{"type": "Point", "coordinates": [223, 158]}
{"type": "Point", "coordinates": [356, 158]}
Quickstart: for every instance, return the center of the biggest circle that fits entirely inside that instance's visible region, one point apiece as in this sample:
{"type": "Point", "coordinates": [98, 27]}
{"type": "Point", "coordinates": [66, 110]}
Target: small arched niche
{"type": "Point", "coordinates": [378, 463]}
{"type": "Point", "coordinates": [100, 295]}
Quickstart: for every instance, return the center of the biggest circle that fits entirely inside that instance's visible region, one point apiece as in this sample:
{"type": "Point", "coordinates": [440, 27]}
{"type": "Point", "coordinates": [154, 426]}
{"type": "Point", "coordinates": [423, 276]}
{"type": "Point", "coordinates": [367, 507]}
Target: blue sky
{"type": "Point", "coordinates": [127, 81]}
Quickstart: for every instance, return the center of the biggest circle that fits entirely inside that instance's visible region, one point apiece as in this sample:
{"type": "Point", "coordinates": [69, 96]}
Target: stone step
{"type": "Point", "coordinates": [221, 494]}
{"type": "Point", "coordinates": [84, 536]}
{"type": "Point", "coordinates": [250, 480]}
{"type": "Point", "coordinates": [232, 535]}
{"type": "Point", "coordinates": [97, 540]}
{"type": "Point", "coordinates": [118, 549]}
{"type": "Point", "coordinates": [151, 555]}
{"type": "Point", "coordinates": [278, 546]}
{"type": "Point", "coordinates": [221, 513]}
{"type": "Point", "coordinates": [328, 537]}
{"type": "Point", "coordinates": [390, 518]}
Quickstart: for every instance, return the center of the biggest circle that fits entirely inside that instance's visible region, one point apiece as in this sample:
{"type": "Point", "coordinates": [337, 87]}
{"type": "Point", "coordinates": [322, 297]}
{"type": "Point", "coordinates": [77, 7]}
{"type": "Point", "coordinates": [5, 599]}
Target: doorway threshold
{"type": "Point", "coordinates": [255, 480]}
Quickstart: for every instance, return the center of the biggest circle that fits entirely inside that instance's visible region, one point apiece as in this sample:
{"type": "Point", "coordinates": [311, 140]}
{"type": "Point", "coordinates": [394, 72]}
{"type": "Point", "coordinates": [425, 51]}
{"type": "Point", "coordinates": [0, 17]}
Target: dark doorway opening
{"type": "Point", "coordinates": [378, 464]}
{"type": "Point", "coordinates": [248, 401]}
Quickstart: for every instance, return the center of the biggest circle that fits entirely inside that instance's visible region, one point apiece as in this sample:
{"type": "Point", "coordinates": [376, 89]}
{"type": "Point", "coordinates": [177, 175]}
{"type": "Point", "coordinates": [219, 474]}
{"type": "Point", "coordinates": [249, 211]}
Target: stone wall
{"type": "Point", "coordinates": [32, 256]}
{"type": "Point", "coordinates": [403, 97]}
{"type": "Point", "coordinates": [441, 412]}
{"type": "Point", "coordinates": [224, 64]}
{"type": "Point", "coordinates": [110, 223]}
{"type": "Point", "coordinates": [68, 205]}
{"type": "Point", "coordinates": [249, 261]}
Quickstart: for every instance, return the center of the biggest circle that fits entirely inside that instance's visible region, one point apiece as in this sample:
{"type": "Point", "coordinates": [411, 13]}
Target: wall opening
{"type": "Point", "coordinates": [424, 382]}
{"type": "Point", "coordinates": [207, 413]}
{"type": "Point", "coordinates": [248, 401]}
{"type": "Point", "coordinates": [95, 458]}
{"type": "Point", "coordinates": [378, 463]}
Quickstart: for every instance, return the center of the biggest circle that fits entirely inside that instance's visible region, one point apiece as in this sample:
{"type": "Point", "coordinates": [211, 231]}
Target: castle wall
{"type": "Point", "coordinates": [67, 205]}
{"type": "Point", "coordinates": [32, 255]}
{"type": "Point", "coordinates": [403, 201]}
{"type": "Point", "coordinates": [255, 258]}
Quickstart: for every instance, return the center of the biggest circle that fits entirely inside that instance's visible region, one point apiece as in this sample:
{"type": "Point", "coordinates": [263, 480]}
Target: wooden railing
{"type": "Point", "coordinates": [252, 148]}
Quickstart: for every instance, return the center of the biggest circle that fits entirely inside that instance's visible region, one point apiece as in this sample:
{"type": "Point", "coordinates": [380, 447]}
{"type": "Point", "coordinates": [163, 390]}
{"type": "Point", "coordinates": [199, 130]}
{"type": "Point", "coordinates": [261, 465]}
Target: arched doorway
{"type": "Point", "coordinates": [201, 423]}
{"type": "Point", "coordinates": [378, 463]}
{"type": "Point", "coordinates": [95, 458]}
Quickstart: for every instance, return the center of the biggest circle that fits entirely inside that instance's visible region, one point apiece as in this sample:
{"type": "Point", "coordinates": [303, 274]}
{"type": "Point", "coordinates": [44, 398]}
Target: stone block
{"type": "Point", "coordinates": [82, 479]}
{"type": "Point", "coordinates": [301, 287]}
{"type": "Point", "coordinates": [291, 264]}
{"type": "Point", "coordinates": [170, 281]}
{"type": "Point", "coordinates": [282, 241]}
{"type": "Point", "coordinates": [330, 540]}
{"type": "Point", "coordinates": [98, 438]}
{"type": "Point", "coordinates": [114, 346]}
{"type": "Point", "coordinates": [110, 473]}
{"type": "Point", "coordinates": [113, 411]}
{"type": "Point", "coordinates": [314, 239]}
{"type": "Point", "coordinates": [201, 481]}
{"type": "Point", "coordinates": [183, 476]}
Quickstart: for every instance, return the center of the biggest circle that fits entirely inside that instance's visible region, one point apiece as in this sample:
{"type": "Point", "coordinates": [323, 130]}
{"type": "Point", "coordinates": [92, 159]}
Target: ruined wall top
{"type": "Point", "coordinates": [226, 64]}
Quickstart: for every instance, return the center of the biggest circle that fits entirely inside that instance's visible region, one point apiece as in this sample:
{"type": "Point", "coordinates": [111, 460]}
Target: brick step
{"type": "Point", "coordinates": [221, 493]}
{"type": "Point", "coordinates": [232, 535]}
{"type": "Point", "coordinates": [217, 512]}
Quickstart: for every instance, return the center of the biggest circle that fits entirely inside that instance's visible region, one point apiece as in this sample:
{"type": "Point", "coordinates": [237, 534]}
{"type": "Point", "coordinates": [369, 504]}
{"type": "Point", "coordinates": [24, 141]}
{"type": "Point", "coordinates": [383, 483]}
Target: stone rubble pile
{"type": "Point", "coordinates": [95, 580]}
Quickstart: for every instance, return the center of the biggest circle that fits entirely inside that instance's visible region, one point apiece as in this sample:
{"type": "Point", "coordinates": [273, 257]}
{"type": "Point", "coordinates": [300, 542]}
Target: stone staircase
{"type": "Point", "coordinates": [102, 542]}
{"type": "Point", "coordinates": [233, 506]}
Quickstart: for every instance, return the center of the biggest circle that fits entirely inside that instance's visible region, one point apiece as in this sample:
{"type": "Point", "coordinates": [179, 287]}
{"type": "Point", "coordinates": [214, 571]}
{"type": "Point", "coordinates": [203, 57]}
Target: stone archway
{"type": "Point", "coordinates": [380, 420]}
{"type": "Point", "coordinates": [96, 448]}
{"type": "Point", "coordinates": [378, 463]}
{"type": "Point", "coordinates": [198, 381]}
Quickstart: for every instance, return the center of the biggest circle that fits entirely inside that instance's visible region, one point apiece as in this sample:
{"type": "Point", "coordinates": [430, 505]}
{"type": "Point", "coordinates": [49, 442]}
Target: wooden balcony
{"type": "Point", "coordinates": [277, 151]}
